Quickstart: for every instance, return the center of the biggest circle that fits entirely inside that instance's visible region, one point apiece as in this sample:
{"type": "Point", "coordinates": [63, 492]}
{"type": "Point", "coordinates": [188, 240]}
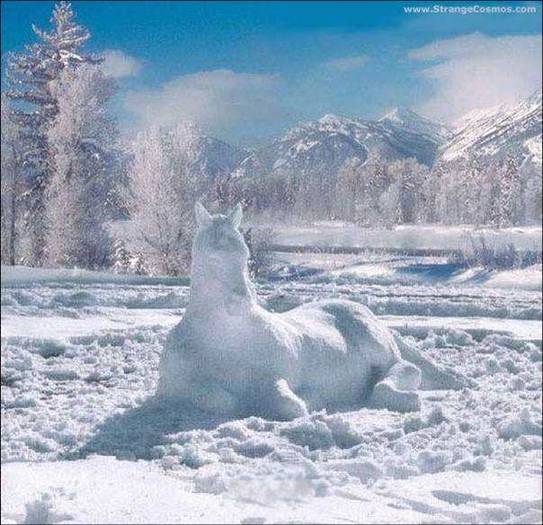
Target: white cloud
{"type": "Point", "coordinates": [476, 71]}
{"type": "Point", "coordinates": [118, 64]}
{"type": "Point", "coordinates": [217, 101]}
{"type": "Point", "coordinates": [346, 63]}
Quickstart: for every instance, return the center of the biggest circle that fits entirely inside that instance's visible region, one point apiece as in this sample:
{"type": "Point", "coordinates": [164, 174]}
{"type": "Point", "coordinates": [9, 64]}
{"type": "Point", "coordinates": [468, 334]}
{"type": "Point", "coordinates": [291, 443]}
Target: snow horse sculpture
{"type": "Point", "coordinates": [231, 357]}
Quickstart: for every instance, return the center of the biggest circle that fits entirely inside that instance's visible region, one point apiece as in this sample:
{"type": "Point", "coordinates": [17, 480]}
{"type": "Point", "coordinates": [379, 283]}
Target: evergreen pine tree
{"type": "Point", "coordinates": [30, 76]}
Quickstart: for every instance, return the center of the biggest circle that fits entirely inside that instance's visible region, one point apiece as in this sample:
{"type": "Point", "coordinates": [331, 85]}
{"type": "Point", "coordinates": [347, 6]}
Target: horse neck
{"type": "Point", "coordinates": [220, 287]}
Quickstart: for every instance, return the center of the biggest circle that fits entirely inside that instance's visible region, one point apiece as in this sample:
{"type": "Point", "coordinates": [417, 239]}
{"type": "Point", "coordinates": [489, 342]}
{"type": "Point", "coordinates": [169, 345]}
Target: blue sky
{"type": "Point", "coordinates": [246, 71]}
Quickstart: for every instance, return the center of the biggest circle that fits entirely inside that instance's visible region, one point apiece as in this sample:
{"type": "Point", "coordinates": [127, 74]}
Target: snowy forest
{"type": "Point", "coordinates": [70, 180]}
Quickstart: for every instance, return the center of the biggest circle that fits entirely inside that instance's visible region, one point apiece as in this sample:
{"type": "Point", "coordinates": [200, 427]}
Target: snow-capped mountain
{"type": "Point", "coordinates": [215, 157]}
{"type": "Point", "coordinates": [324, 145]}
{"type": "Point", "coordinates": [502, 130]}
{"type": "Point", "coordinates": [207, 155]}
{"type": "Point", "coordinates": [406, 121]}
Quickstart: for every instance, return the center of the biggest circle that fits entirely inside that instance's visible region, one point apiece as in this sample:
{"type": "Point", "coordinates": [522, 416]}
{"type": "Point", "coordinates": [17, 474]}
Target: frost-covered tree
{"type": "Point", "coordinates": [347, 190]}
{"type": "Point", "coordinates": [411, 178]}
{"type": "Point", "coordinates": [30, 76]}
{"type": "Point", "coordinates": [380, 193]}
{"type": "Point", "coordinates": [470, 194]}
{"type": "Point", "coordinates": [81, 141]}
{"type": "Point", "coordinates": [160, 200]}
{"type": "Point", "coordinates": [505, 189]}
{"type": "Point", "coordinates": [11, 185]}
{"type": "Point", "coordinates": [460, 186]}
{"type": "Point", "coordinates": [126, 261]}
{"type": "Point", "coordinates": [532, 193]}
{"type": "Point", "coordinates": [511, 191]}
{"type": "Point", "coordinates": [374, 180]}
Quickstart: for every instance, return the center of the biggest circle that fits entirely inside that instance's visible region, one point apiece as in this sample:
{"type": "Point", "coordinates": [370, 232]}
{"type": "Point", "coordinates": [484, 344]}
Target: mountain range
{"type": "Point", "coordinates": [323, 146]}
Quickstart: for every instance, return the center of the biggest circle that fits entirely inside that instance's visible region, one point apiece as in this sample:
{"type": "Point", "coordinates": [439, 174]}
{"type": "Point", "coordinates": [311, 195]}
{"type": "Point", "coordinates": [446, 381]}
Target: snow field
{"type": "Point", "coordinates": [408, 236]}
{"type": "Point", "coordinates": [69, 394]}
{"type": "Point", "coordinates": [82, 493]}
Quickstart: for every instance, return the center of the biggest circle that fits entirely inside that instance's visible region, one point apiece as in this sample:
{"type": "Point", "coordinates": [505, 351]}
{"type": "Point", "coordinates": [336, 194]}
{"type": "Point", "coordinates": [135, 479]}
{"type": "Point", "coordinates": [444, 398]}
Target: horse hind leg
{"type": "Point", "coordinates": [397, 390]}
{"type": "Point", "coordinates": [434, 377]}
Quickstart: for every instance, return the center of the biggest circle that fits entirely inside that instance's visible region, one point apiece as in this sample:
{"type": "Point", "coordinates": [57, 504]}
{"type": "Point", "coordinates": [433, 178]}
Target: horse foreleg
{"type": "Point", "coordinates": [283, 403]}
{"type": "Point", "coordinates": [434, 377]}
{"type": "Point", "coordinates": [214, 399]}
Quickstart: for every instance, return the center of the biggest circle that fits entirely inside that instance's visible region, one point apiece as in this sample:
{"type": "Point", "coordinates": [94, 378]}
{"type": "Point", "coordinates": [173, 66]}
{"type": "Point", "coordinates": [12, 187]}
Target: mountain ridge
{"type": "Point", "coordinates": [322, 147]}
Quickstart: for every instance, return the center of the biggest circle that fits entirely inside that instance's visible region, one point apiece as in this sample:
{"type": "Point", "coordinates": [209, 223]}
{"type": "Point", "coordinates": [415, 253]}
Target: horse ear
{"type": "Point", "coordinates": [236, 215]}
{"type": "Point", "coordinates": [203, 218]}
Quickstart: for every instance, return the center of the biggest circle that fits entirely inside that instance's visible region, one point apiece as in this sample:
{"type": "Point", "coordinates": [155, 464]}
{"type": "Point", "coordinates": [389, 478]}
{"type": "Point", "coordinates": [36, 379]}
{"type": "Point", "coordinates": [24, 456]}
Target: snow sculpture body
{"type": "Point", "coordinates": [232, 357]}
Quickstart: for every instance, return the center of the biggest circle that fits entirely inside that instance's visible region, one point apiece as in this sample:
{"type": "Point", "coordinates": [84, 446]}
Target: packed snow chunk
{"type": "Point", "coordinates": [193, 457]}
{"type": "Point", "coordinates": [321, 431]}
{"type": "Point", "coordinates": [459, 338]}
{"type": "Point", "coordinates": [23, 401]}
{"type": "Point", "coordinates": [477, 464]}
{"type": "Point", "coordinates": [309, 432]}
{"type": "Point", "coordinates": [50, 348]}
{"type": "Point", "coordinates": [76, 299]}
{"type": "Point", "coordinates": [519, 425]}
{"type": "Point", "coordinates": [254, 448]}
{"type": "Point", "coordinates": [61, 373]}
{"type": "Point", "coordinates": [401, 471]}
{"type": "Point", "coordinates": [436, 416]}
{"type": "Point", "coordinates": [530, 442]}
{"type": "Point", "coordinates": [234, 429]}
{"type": "Point", "coordinates": [345, 434]}
{"type": "Point", "coordinates": [413, 423]}
{"type": "Point", "coordinates": [169, 300]}
{"type": "Point", "coordinates": [366, 471]}
{"type": "Point", "coordinates": [430, 461]}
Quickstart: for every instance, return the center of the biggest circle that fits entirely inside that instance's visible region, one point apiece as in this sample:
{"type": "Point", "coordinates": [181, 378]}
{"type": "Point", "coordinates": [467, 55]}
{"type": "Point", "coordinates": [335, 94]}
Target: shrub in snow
{"type": "Point", "coordinates": [536, 355]}
{"type": "Point", "coordinates": [480, 253]}
{"type": "Point", "coordinates": [39, 511]}
{"type": "Point", "coordinates": [193, 457]}
{"type": "Point", "coordinates": [51, 348]}
{"type": "Point", "coordinates": [259, 241]}
{"type": "Point", "coordinates": [254, 448]}
{"type": "Point", "coordinates": [229, 356]}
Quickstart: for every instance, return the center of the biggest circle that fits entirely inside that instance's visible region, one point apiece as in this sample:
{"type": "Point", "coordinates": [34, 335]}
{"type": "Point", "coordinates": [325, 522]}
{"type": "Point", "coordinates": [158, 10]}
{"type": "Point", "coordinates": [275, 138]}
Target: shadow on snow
{"type": "Point", "coordinates": [134, 433]}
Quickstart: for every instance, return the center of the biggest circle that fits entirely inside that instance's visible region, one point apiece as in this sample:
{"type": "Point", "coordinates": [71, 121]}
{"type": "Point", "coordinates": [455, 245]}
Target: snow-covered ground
{"type": "Point", "coordinates": [83, 439]}
{"type": "Point", "coordinates": [406, 236]}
